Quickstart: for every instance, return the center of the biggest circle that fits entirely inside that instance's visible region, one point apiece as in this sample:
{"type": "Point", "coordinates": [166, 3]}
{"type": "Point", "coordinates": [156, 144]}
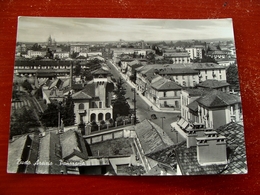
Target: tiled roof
{"type": "Point", "coordinates": [237, 164]}
{"type": "Point", "coordinates": [100, 71]}
{"type": "Point", "coordinates": [72, 144]}
{"type": "Point", "coordinates": [207, 66]}
{"type": "Point", "coordinates": [57, 83]}
{"type": "Point", "coordinates": [218, 99]}
{"type": "Point", "coordinates": [213, 84]}
{"type": "Point", "coordinates": [90, 89]}
{"type": "Point", "coordinates": [15, 151]}
{"type": "Point", "coordinates": [188, 163]}
{"type": "Point", "coordinates": [177, 71]}
{"type": "Point", "coordinates": [234, 133]}
{"type": "Point", "coordinates": [197, 92]}
{"type": "Point", "coordinates": [81, 95]}
{"type": "Point", "coordinates": [177, 54]}
{"type": "Point", "coordinates": [165, 85]}
{"type": "Point", "coordinates": [193, 106]}
{"type": "Point", "coordinates": [151, 137]}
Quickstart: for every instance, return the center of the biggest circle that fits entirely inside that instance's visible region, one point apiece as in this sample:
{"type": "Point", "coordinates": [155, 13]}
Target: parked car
{"type": "Point", "coordinates": [153, 116]}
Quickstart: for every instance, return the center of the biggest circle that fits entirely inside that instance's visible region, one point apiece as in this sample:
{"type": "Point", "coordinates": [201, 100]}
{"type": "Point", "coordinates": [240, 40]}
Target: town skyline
{"type": "Point", "coordinates": [103, 30]}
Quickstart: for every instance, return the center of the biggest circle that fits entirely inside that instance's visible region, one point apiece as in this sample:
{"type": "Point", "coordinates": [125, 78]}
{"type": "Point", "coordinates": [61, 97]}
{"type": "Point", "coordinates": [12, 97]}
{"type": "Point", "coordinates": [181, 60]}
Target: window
{"type": "Point", "coordinates": [176, 77]}
{"type": "Point", "coordinates": [100, 104]}
{"type": "Point", "coordinates": [205, 72]}
{"type": "Point", "coordinates": [219, 70]}
{"type": "Point", "coordinates": [93, 104]}
{"type": "Point", "coordinates": [220, 77]}
{"type": "Point", "coordinates": [184, 84]}
{"type": "Point", "coordinates": [206, 77]}
{"type": "Point", "coordinates": [81, 106]}
{"type": "Point", "coordinates": [164, 94]}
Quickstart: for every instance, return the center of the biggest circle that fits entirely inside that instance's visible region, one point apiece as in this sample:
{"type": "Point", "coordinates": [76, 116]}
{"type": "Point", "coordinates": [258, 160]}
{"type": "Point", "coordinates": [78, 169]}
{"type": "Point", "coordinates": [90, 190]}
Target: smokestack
{"type": "Point", "coordinates": [71, 74]}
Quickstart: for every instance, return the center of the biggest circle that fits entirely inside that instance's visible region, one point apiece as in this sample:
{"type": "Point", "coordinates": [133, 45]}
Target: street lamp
{"type": "Point", "coordinates": [134, 100]}
{"type": "Point", "coordinates": [163, 117]}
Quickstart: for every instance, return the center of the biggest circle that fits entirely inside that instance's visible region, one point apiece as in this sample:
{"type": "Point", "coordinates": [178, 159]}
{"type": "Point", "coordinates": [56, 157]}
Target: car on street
{"type": "Point", "coordinates": [153, 116]}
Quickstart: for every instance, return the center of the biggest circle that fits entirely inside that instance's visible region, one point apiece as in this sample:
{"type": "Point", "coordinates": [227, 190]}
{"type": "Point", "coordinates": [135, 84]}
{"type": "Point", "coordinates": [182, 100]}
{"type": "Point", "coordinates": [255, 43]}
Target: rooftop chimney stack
{"type": "Point", "coordinates": [211, 149]}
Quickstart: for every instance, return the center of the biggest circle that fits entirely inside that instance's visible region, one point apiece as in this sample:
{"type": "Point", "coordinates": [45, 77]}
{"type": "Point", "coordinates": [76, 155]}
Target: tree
{"type": "Point", "coordinates": [27, 86]}
{"type": "Point", "coordinates": [232, 77]}
{"type": "Point", "coordinates": [74, 54]}
{"type": "Point", "coordinates": [68, 114]}
{"type": "Point", "coordinates": [22, 121]}
{"type": "Point", "coordinates": [50, 116]}
{"type": "Point", "coordinates": [120, 105]}
{"type": "Point", "coordinates": [36, 47]}
{"type": "Point", "coordinates": [77, 70]}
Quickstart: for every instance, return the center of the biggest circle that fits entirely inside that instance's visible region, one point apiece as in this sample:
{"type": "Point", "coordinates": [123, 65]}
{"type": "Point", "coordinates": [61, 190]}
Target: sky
{"type": "Point", "coordinates": [38, 29]}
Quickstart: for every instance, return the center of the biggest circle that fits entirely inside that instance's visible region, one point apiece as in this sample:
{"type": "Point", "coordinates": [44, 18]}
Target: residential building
{"type": "Point", "coordinates": [226, 61]}
{"type": "Point", "coordinates": [164, 93]}
{"type": "Point", "coordinates": [131, 68]}
{"type": "Point", "coordinates": [61, 55]}
{"type": "Point", "coordinates": [184, 76]}
{"type": "Point", "coordinates": [210, 70]}
{"type": "Point", "coordinates": [34, 54]}
{"type": "Point", "coordinates": [195, 51]}
{"type": "Point", "coordinates": [189, 107]}
{"type": "Point", "coordinates": [79, 48]}
{"type": "Point", "coordinates": [215, 84]}
{"type": "Point", "coordinates": [93, 103]}
{"type": "Point", "coordinates": [217, 54]}
{"type": "Point", "coordinates": [178, 57]}
{"type": "Point", "coordinates": [218, 108]}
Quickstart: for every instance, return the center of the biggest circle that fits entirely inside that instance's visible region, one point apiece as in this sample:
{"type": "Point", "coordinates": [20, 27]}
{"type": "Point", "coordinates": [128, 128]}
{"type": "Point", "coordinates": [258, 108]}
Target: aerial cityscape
{"type": "Point", "coordinates": [126, 97]}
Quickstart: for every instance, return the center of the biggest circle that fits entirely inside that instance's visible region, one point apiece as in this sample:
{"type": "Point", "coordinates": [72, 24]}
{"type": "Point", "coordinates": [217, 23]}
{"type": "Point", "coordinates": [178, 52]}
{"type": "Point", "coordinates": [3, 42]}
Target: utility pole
{"type": "Point", "coordinates": [134, 100]}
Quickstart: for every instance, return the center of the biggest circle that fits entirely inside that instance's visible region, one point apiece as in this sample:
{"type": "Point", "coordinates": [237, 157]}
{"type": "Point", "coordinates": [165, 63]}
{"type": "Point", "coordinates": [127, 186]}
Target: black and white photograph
{"type": "Point", "coordinates": [136, 97]}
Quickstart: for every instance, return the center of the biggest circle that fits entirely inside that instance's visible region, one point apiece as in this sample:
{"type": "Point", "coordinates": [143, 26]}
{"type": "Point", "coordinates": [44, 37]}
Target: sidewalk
{"type": "Point", "coordinates": [148, 102]}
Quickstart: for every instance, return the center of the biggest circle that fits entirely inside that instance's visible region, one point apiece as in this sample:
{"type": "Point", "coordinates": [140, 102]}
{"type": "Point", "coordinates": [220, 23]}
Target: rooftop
{"type": "Point", "coordinates": [207, 66]}
{"type": "Point", "coordinates": [218, 99]}
{"type": "Point", "coordinates": [213, 84]}
{"type": "Point", "coordinates": [151, 137]}
{"type": "Point", "coordinates": [165, 85]}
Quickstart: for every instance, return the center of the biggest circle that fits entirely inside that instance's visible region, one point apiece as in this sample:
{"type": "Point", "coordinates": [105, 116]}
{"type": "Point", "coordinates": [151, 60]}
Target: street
{"type": "Point", "coordinates": [143, 110]}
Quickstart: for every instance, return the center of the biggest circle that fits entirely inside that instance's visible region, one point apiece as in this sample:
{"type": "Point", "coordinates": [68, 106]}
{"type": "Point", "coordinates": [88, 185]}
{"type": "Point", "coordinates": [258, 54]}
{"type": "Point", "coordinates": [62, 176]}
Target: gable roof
{"type": "Point", "coordinates": [213, 84]}
{"type": "Point", "coordinates": [218, 99]}
{"type": "Point", "coordinates": [81, 95]}
{"type": "Point", "coordinates": [151, 137]}
{"type": "Point", "coordinates": [165, 85]}
{"type": "Point", "coordinates": [72, 144]}
{"type": "Point", "coordinates": [100, 71]}
{"type": "Point", "coordinates": [193, 106]}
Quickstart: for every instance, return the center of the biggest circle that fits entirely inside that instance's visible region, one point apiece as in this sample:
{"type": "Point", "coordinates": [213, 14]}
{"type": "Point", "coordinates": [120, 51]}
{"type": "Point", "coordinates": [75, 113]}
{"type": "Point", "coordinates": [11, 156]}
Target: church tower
{"type": "Point", "coordinates": [49, 41]}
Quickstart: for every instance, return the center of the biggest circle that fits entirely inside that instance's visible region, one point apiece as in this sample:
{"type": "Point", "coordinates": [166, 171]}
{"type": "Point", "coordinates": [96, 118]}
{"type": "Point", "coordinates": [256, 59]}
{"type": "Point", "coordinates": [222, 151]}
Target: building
{"type": "Point", "coordinates": [149, 139]}
{"type": "Point", "coordinates": [207, 151]}
{"type": "Point", "coordinates": [189, 107]}
{"type": "Point", "coordinates": [34, 54]}
{"type": "Point", "coordinates": [79, 48]}
{"type": "Point", "coordinates": [195, 51]}
{"type": "Point", "coordinates": [178, 57]}
{"type": "Point", "coordinates": [164, 93]}
{"type": "Point", "coordinates": [218, 108]}
{"type": "Point", "coordinates": [61, 55]}
{"type": "Point", "coordinates": [215, 84]}
{"type": "Point", "coordinates": [54, 152]}
{"type": "Point", "coordinates": [210, 70]}
{"type": "Point", "coordinates": [226, 61]}
{"type": "Point", "coordinates": [131, 68]}
{"type": "Point", "coordinates": [184, 76]}
{"type": "Point", "coordinates": [93, 103]}
{"type": "Point", "coordinates": [217, 54]}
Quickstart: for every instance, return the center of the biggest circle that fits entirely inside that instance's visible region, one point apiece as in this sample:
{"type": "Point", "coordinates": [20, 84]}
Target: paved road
{"type": "Point", "coordinates": [144, 111]}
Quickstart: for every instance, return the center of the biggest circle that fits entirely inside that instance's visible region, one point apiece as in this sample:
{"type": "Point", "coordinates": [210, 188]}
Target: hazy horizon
{"type": "Point", "coordinates": [38, 29]}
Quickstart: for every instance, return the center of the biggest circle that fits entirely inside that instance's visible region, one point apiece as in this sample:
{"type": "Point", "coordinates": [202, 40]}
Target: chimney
{"type": "Point", "coordinates": [197, 130]}
{"type": "Point", "coordinates": [211, 149]}
{"type": "Point", "coordinates": [71, 74]}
